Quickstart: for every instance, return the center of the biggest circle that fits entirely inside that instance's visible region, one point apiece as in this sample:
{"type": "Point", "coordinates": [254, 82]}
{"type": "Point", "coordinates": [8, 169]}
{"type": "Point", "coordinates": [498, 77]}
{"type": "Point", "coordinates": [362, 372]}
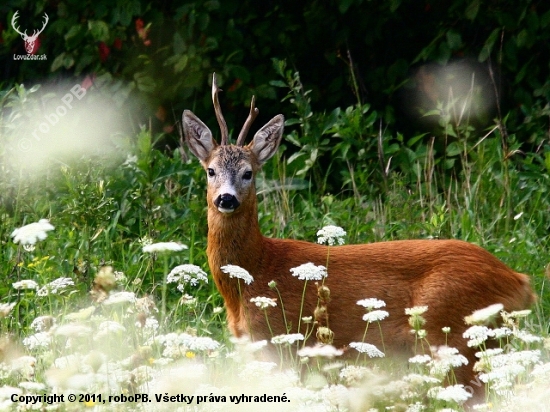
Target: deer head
{"type": "Point", "coordinates": [231, 168]}
{"type": "Point", "coordinates": [29, 40]}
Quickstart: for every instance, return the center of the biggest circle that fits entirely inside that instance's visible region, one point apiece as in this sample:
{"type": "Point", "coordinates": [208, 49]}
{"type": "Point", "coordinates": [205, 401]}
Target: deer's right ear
{"type": "Point", "coordinates": [198, 136]}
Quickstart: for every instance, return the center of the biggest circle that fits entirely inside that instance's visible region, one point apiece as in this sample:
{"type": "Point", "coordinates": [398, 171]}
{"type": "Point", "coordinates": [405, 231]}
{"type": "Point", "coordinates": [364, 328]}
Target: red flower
{"type": "Point", "coordinates": [104, 51]}
{"type": "Point", "coordinates": [139, 25]}
{"type": "Point", "coordinates": [117, 44]}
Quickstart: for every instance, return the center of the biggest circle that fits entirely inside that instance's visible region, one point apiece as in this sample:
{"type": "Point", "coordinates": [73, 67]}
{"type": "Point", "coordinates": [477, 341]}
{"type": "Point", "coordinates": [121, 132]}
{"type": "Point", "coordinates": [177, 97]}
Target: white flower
{"type": "Point", "coordinates": [238, 272]}
{"type": "Point", "coordinates": [263, 303]}
{"type": "Point", "coordinates": [325, 351]}
{"type": "Point", "coordinates": [308, 271]}
{"type": "Point", "coordinates": [446, 358]}
{"type": "Point", "coordinates": [25, 284]}
{"type": "Point", "coordinates": [371, 303]}
{"type": "Point", "coordinates": [120, 297]}
{"type": "Point", "coordinates": [32, 233]}
{"type": "Point", "coordinates": [164, 247]}
{"type": "Point", "coordinates": [33, 386]}
{"type": "Point", "coordinates": [352, 374]}
{"type": "Point", "coordinates": [454, 393]}
{"type": "Point", "coordinates": [5, 309]}
{"type": "Point", "coordinates": [331, 235]}
{"type": "Point", "coordinates": [484, 315]}
{"type": "Point", "coordinates": [257, 369]}
{"type": "Point", "coordinates": [526, 336]}
{"type": "Point", "coordinates": [419, 359]}
{"type": "Point", "coordinates": [39, 340]}
{"type": "Point", "coordinates": [184, 274]}
{"type": "Point", "coordinates": [375, 316]}
{"type": "Point", "coordinates": [477, 335]}
{"type": "Point", "coordinates": [109, 327]}
{"type": "Point", "coordinates": [43, 323]}
{"type": "Point", "coordinates": [371, 350]}
{"type": "Point", "coordinates": [416, 310]}
{"type": "Point", "coordinates": [287, 338]}
{"type": "Point", "coordinates": [55, 286]}
{"type": "Point", "coordinates": [72, 330]}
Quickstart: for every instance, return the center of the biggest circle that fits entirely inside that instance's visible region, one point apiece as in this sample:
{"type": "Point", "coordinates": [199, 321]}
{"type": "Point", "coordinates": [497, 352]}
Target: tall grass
{"type": "Point", "coordinates": [107, 332]}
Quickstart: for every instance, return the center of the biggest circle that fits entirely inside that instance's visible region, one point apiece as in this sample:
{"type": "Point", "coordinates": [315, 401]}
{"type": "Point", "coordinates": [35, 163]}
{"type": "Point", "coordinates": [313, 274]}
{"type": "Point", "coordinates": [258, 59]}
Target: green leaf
{"type": "Point", "coordinates": [99, 30]}
{"type": "Point", "coordinates": [488, 46]}
{"type": "Point", "coordinates": [472, 10]}
{"type": "Point", "coordinates": [453, 149]}
{"type": "Point", "coordinates": [454, 40]}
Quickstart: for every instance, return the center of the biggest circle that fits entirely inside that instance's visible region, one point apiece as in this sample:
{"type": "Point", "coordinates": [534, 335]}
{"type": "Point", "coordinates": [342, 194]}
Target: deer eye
{"type": "Point", "coordinates": [211, 172]}
{"type": "Point", "coordinates": [247, 175]}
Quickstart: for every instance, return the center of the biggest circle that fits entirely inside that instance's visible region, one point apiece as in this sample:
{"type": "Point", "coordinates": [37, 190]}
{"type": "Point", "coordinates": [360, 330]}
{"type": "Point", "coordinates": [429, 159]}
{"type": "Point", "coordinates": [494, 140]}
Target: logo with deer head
{"type": "Point", "coordinates": [29, 40]}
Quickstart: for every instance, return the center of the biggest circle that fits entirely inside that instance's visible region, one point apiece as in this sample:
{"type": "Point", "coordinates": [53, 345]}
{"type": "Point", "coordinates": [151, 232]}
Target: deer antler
{"type": "Point", "coordinates": [218, 110]}
{"type": "Point", "coordinates": [249, 120]}
{"type": "Point", "coordinates": [46, 20]}
{"type": "Point", "coordinates": [14, 21]}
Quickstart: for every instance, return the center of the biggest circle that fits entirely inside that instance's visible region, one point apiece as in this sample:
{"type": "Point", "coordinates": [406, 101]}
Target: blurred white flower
{"type": "Point", "coordinates": [308, 271]}
{"type": "Point", "coordinates": [238, 272]}
{"type": "Point", "coordinates": [25, 284]}
{"type": "Point", "coordinates": [371, 350]}
{"type": "Point", "coordinates": [263, 303]}
{"type": "Point", "coordinates": [371, 303]}
{"type": "Point", "coordinates": [319, 350]}
{"type": "Point", "coordinates": [419, 359]}
{"type": "Point", "coordinates": [484, 315]}
{"type": "Point", "coordinates": [32, 233]}
{"type": "Point", "coordinates": [454, 393]}
{"type": "Point", "coordinates": [72, 330]}
{"type": "Point", "coordinates": [40, 340]}
{"type": "Point", "coordinates": [43, 323]}
{"type": "Point", "coordinates": [6, 308]}
{"type": "Point", "coordinates": [164, 247]}
{"type": "Point", "coordinates": [331, 235]}
{"type": "Point", "coordinates": [289, 338]}
{"type": "Point", "coordinates": [116, 298]}
{"type": "Point", "coordinates": [416, 310]}
{"type": "Point", "coordinates": [55, 286]}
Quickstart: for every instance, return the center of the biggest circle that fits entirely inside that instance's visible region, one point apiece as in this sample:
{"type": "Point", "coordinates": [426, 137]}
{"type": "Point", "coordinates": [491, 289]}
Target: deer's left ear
{"type": "Point", "coordinates": [266, 140]}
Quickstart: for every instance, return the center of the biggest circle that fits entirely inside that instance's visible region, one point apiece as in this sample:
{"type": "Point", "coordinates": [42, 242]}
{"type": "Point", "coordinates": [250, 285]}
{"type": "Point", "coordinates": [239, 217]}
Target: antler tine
{"type": "Point", "coordinates": [218, 110]}
{"type": "Point", "coordinates": [13, 22]}
{"type": "Point", "coordinates": [249, 120]}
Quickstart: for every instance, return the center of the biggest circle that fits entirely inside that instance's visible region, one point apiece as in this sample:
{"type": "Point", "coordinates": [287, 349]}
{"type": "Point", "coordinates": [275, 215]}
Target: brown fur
{"type": "Point", "coordinates": [453, 278]}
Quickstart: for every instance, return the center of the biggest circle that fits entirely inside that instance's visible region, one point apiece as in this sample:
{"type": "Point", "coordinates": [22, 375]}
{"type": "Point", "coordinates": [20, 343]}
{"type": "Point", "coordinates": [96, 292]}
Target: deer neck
{"type": "Point", "coordinates": [234, 239]}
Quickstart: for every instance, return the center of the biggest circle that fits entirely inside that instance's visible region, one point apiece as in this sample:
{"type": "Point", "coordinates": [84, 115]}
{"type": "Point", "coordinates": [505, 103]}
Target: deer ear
{"type": "Point", "coordinates": [266, 140]}
{"type": "Point", "coordinates": [198, 136]}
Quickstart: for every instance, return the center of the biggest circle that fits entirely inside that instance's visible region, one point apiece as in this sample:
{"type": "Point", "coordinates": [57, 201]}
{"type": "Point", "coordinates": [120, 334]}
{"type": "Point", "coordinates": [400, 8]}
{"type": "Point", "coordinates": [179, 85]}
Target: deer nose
{"type": "Point", "coordinates": [226, 203]}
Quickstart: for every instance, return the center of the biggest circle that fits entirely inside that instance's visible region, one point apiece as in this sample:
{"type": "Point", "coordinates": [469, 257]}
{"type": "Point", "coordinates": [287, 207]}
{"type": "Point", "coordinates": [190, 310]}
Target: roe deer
{"type": "Point", "coordinates": [453, 278]}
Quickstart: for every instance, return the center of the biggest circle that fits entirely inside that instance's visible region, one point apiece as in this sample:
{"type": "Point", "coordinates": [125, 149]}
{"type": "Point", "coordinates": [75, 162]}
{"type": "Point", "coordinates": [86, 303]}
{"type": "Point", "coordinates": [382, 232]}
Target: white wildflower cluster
{"type": "Point", "coordinates": [375, 316]}
{"type": "Point", "coordinates": [177, 345]}
{"type": "Point", "coordinates": [186, 275]}
{"type": "Point", "coordinates": [308, 271]}
{"type": "Point", "coordinates": [25, 284]}
{"type": "Point", "coordinates": [43, 323]}
{"type": "Point", "coordinates": [118, 298]}
{"type": "Point", "coordinates": [321, 351]}
{"type": "Point", "coordinates": [55, 286]}
{"type": "Point", "coordinates": [289, 338]}
{"type": "Point", "coordinates": [454, 393]}
{"type": "Point", "coordinates": [238, 272]}
{"type": "Point", "coordinates": [32, 233]}
{"type": "Point", "coordinates": [331, 235]}
{"type": "Point", "coordinates": [444, 360]}
{"type": "Point", "coordinates": [502, 369]}
{"type": "Point", "coordinates": [371, 350]}
{"type": "Point", "coordinates": [263, 303]}
{"type": "Point", "coordinates": [416, 310]}
{"type": "Point", "coordinates": [109, 328]}
{"type": "Point", "coordinates": [40, 340]}
{"type": "Point", "coordinates": [352, 374]}
{"type": "Point", "coordinates": [371, 303]}
{"type": "Point", "coordinates": [163, 247]}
